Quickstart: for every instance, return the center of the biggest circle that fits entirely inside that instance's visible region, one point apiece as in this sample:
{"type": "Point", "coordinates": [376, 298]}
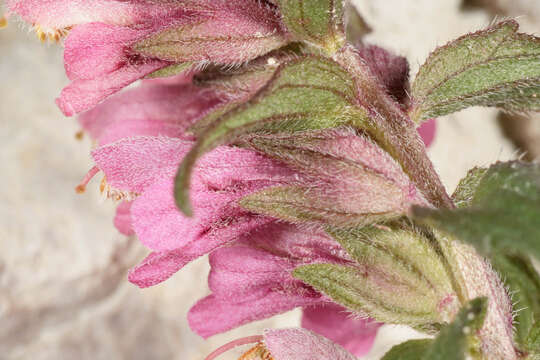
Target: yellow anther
{"type": "Point", "coordinates": [53, 35]}
{"type": "Point", "coordinates": [3, 22]}
{"type": "Point", "coordinates": [41, 36]}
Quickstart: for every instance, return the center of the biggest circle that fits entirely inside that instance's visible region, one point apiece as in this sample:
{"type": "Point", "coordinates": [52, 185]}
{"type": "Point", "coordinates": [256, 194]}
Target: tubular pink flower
{"type": "Point", "coordinates": [151, 109]}
{"type": "Point", "coordinates": [251, 280]}
{"type": "Point", "coordinates": [60, 14]}
{"type": "Point", "coordinates": [142, 137]}
{"type": "Point", "coordinates": [113, 43]}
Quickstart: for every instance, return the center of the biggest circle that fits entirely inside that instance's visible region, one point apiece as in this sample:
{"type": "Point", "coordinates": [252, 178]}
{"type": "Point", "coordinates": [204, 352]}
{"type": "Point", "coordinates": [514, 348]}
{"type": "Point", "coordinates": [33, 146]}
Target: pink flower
{"type": "Point", "coordinates": [151, 109]}
{"type": "Point", "coordinates": [251, 280]}
{"type": "Point", "coordinates": [142, 168]}
{"type": "Point", "coordinates": [114, 43]}
{"type": "Point", "coordinates": [143, 135]}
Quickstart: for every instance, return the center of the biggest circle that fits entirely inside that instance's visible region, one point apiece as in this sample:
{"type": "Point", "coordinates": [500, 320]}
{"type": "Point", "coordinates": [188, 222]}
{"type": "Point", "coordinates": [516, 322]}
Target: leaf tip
{"type": "Point", "coordinates": [181, 190]}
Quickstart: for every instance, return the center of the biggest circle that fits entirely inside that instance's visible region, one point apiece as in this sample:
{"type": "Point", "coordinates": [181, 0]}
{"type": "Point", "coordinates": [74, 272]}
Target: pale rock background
{"type": "Point", "coordinates": [63, 287]}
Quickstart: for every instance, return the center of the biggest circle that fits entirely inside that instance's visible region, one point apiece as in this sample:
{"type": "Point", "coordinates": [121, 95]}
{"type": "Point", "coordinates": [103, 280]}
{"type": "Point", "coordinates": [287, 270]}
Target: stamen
{"type": "Point", "coordinates": [53, 35]}
{"type": "Point", "coordinates": [258, 352]}
{"type": "Point", "coordinates": [238, 342]}
{"type": "Point", "coordinates": [3, 22]}
{"type": "Point", "coordinates": [81, 188]}
{"type": "Point", "coordinates": [110, 193]}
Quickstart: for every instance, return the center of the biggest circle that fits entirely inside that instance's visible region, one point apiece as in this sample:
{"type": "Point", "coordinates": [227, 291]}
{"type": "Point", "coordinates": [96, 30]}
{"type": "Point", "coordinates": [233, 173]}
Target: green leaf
{"type": "Point", "coordinates": [503, 212]}
{"type": "Point", "coordinates": [493, 67]}
{"type": "Point", "coordinates": [533, 341]}
{"type": "Point", "coordinates": [523, 281]}
{"type": "Point", "coordinates": [454, 342]}
{"type": "Point", "coordinates": [398, 277]}
{"type": "Point", "coordinates": [305, 94]}
{"type": "Point", "coordinates": [366, 291]}
{"type": "Point", "coordinates": [318, 22]}
{"type": "Point", "coordinates": [409, 350]}
{"type": "Point", "coordinates": [477, 190]}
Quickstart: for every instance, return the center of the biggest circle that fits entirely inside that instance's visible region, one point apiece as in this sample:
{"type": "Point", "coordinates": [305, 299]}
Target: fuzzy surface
{"type": "Point", "coordinates": [63, 266]}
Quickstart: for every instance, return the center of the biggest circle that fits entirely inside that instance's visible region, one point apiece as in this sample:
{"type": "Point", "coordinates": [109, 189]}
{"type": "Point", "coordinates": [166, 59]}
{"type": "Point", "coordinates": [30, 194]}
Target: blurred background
{"type": "Point", "coordinates": [63, 287]}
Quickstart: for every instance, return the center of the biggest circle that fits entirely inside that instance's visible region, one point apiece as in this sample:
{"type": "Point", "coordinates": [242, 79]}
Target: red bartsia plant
{"type": "Point", "coordinates": [263, 134]}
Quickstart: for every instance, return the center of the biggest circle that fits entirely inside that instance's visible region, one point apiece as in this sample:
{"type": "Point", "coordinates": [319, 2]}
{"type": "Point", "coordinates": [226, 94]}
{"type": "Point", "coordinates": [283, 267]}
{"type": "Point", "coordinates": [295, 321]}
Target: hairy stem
{"type": "Point", "coordinates": [394, 130]}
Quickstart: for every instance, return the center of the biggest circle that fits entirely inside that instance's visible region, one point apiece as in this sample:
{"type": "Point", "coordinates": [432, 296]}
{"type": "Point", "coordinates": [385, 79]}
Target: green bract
{"type": "Point", "coordinates": [317, 22]}
{"type": "Point", "coordinates": [494, 67]}
{"type": "Point", "coordinates": [455, 341]}
{"type": "Point", "coordinates": [398, 277]}
{"type": "Point", "coordinates": [524, 284]}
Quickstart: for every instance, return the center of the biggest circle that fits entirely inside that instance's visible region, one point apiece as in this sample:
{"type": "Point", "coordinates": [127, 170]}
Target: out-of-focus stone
{"type": "Point", "coordinates": [528, 10]}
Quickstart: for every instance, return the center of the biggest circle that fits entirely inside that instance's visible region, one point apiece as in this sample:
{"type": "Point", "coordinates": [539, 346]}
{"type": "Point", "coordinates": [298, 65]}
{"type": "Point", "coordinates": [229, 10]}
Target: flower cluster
{"type": "Point", "coordinates": [259, 135]}
{"type": "Point", "coordinates": [143, 134]}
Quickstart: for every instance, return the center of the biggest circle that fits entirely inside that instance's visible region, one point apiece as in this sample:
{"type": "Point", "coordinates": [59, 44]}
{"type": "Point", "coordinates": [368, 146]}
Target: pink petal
{"type": "Point", "coordinates": [133, 164]}
{"type": "Point", "coordinates": [240, 269]}
{"type": "Point", "coordinates": [59, 14]}
{"type": "Point", "coordinates": [159, 266]}
{"type": "Point", "coordinates": [335, 323]}
{"type": "Point", "coordinates": [153, 109]}
{"type": "Point", "coordinates": [213, 314]}
{"type": "Point", "coordinates": [96, 49]}
{"type": "Point", "coordinates": [301, 344]}
{"type": "Point", "coordinates": [161, 226]}
{"type": "Point", "coordinates": [122, 220]}
{"type": "Point", "coordinates": [83, 94]}
{"type": "Point", "coordinates": [427, 131]}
